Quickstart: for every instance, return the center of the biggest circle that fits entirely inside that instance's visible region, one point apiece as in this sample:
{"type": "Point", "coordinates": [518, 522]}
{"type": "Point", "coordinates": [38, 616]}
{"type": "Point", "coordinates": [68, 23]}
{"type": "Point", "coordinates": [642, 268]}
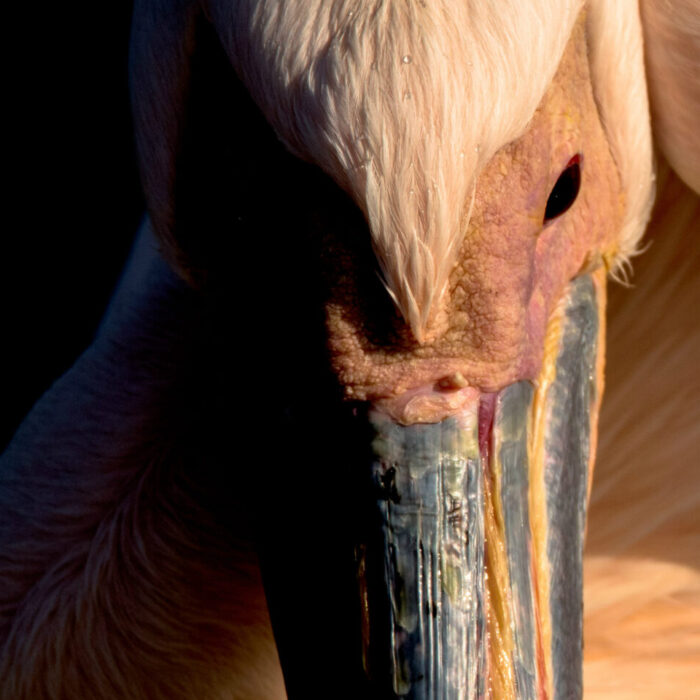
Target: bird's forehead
{"type": "Point", "coordinates": [402, 103]}
{"type": "Point", "coordinates": [510, 268]}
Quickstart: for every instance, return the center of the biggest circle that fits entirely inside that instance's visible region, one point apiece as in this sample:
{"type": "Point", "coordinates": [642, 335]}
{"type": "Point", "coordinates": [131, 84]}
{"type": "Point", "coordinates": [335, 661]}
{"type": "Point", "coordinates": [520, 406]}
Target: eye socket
{"type": "Point", "coordinates": [565, 190]}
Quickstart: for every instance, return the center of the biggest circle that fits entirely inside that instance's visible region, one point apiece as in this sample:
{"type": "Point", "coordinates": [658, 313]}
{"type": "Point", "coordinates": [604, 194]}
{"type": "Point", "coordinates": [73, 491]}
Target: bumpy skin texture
{"type": "Point", "coordinates": [511, 269]}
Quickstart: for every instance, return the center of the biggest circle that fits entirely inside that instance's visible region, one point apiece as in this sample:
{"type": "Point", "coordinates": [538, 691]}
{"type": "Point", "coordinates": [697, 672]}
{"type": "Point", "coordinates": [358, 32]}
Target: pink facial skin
{"type": "Point", "coordinates": [511, 270]}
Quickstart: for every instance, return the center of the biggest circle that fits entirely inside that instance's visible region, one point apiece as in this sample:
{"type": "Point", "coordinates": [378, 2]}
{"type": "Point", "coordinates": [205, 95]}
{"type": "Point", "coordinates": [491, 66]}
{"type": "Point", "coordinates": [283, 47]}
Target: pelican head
{"type": "Point", "coordinates": [432, 204]}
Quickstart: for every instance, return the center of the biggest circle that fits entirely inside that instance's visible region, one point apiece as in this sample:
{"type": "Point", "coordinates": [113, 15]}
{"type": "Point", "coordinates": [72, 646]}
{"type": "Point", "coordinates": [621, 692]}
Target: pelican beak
{"type": "Point", "coordinates": [471, 581]}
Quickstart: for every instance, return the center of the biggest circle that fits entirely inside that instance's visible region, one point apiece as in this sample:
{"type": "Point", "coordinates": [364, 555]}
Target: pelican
{"type": "Point", "coordinates": [336, 432]}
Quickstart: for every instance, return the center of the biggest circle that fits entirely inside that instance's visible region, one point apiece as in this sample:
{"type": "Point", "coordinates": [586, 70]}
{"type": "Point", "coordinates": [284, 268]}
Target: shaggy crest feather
{"type": "Point", "coordinates": [402, 103]}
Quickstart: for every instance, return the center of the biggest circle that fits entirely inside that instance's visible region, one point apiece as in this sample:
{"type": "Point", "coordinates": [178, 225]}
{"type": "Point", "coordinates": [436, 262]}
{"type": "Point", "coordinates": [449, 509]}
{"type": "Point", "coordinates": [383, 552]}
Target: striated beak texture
{"type": "Point", "coordinates": [471, 584]}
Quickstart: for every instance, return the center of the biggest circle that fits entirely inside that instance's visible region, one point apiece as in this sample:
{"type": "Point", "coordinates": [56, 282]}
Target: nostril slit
{"type": "Point", "coordinates": [451, 382]}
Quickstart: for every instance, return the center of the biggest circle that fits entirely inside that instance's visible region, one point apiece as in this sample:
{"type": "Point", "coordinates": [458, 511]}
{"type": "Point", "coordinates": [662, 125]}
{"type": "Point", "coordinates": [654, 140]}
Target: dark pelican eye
{"type": "Point", "coordinates": [565, 189]}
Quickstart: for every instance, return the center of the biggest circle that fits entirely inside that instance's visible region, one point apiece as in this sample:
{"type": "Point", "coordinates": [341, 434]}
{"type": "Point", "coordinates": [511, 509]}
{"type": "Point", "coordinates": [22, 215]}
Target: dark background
{"type": "Point", "coordinates": [72, 195]}
{"type": "Point", "coordinates": [72, 207]}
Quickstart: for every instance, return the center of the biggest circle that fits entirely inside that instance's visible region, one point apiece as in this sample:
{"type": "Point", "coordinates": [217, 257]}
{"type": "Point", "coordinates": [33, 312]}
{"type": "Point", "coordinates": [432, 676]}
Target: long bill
{"type": "Point", "coordinates": [471, 586]}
